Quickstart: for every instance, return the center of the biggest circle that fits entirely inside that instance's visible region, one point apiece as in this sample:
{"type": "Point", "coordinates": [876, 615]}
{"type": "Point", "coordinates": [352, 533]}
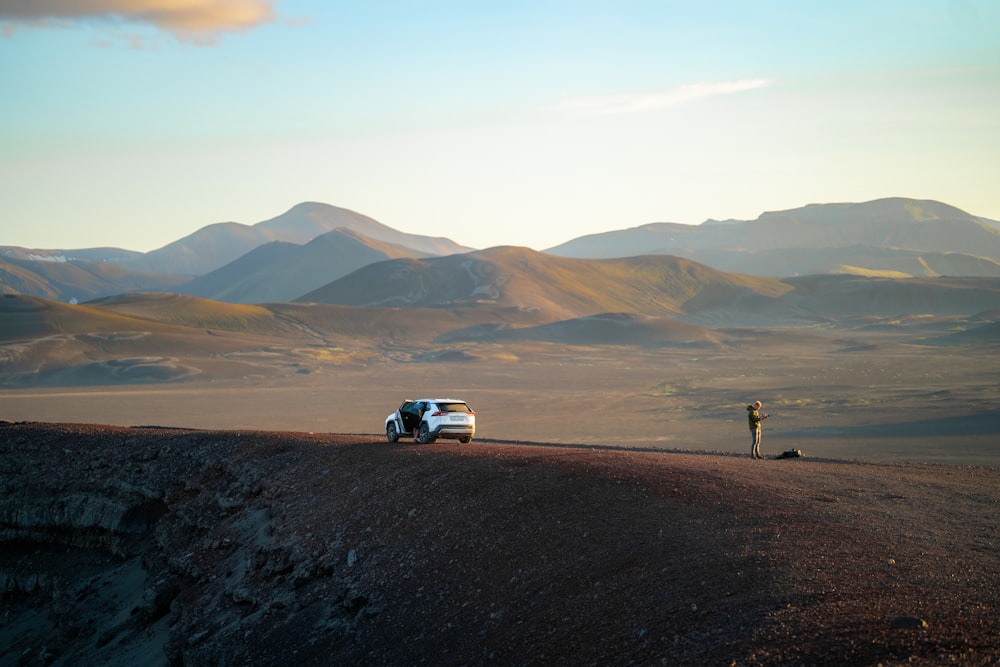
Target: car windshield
{"type": "Point", "coordinates": [454, 407]}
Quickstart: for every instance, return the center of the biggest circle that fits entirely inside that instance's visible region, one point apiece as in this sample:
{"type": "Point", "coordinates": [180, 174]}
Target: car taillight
{"type": "Point", "coordinates": [439, 413]}
{"type": "Point", "coordinates": [470, 412]}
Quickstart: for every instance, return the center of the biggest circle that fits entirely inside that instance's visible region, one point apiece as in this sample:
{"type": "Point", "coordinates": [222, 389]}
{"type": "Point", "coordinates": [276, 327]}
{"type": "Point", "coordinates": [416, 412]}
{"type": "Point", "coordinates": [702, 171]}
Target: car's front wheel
{"type": "Point", "coordinates": [424, 434]}
{"type": "Point", "coordinates": [391, 434]}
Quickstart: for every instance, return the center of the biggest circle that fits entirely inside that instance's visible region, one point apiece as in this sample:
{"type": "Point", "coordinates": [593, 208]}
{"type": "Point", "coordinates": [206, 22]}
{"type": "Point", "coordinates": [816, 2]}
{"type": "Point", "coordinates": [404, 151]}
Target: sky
{"type": "Point", "coordinates": [133, 123]}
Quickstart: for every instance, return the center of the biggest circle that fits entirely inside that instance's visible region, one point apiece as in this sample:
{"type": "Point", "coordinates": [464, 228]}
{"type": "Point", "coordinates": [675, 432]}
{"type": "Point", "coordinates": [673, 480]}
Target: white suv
{"type": "Point", "coordinates": [432, 418]}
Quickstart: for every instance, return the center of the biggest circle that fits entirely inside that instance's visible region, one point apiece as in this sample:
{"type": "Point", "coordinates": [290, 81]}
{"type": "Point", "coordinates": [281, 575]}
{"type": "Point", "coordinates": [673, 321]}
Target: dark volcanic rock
{"type": "Point", "coordinates": [177, 547]}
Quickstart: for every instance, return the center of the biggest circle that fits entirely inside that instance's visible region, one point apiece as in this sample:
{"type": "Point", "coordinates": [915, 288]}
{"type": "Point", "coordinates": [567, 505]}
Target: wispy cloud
{"type": "Point", "coordinates": [188, 20]}
{"type": "Point", "coordinates": [608, 105]}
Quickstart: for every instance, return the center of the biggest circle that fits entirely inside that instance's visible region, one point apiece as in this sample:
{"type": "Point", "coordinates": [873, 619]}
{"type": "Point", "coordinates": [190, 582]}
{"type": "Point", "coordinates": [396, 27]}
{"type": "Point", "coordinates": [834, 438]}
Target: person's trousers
{"type": "Point", "coordinates": [755, 442]}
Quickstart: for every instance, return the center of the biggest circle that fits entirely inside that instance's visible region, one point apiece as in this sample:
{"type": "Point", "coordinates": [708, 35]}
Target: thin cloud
{"type": "Point", "coordinates": [609, 105]}
{"type": "Point", "coordinates": [187, 20]}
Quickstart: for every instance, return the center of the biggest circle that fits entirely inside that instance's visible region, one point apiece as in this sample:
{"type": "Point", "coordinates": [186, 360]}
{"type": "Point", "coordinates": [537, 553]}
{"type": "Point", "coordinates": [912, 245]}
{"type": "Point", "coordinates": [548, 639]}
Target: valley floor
{"type": "Point", "coordinates": [832, 396]}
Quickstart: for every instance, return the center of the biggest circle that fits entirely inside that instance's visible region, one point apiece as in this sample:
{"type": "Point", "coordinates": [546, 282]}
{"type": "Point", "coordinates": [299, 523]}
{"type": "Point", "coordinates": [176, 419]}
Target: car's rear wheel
{"type": "Point", "coordinates": [391, 434]}
{"type": "Point", "coordinates": [466, 440]}
{"type": "Point", "coordinates": [424, 434]}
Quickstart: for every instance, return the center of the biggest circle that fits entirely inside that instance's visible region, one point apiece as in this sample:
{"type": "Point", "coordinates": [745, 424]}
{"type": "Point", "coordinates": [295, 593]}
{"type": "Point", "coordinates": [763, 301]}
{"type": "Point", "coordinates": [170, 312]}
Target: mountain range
{"type": "Point", "coordinates": [263, 254]}
{"type": "Point", "coordinates": [318, 252]}
{"type": "Point", "coordinates": [216, 245]}
{"type": "Point", "coordinates": [892, 237]}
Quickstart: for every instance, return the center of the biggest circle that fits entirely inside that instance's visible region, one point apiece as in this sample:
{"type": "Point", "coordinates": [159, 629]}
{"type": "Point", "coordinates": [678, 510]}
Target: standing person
{"type": "Point", "coordinates": [755, 418]}
{"type": "Point", "coordinates": [421, 408]}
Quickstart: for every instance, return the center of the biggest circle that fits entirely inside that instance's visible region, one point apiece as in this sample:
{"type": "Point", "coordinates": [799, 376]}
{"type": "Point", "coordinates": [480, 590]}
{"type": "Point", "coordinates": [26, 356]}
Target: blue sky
{"type": "Point", "coordinates": [133, 123]}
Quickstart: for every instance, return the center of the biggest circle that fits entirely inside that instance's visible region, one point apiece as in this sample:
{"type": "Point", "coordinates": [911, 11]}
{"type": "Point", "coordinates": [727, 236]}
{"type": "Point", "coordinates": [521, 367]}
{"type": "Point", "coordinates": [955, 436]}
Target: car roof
{"type": "Point", "coordinates": [436, 400]}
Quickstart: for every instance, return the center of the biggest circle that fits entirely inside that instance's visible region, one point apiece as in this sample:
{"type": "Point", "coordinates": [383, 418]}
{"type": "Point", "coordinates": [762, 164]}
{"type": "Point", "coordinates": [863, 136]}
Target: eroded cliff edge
{"type": "Point", "coordinates": [156, 546]}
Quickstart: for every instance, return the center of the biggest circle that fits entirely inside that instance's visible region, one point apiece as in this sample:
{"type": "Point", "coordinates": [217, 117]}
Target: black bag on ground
{"type": "Point", "coordinates": [790, 454]}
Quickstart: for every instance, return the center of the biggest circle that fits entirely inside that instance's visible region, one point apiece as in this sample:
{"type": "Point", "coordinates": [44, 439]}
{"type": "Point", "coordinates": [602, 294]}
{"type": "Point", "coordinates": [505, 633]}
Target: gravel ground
{"type": "Point", "coordinates": [187, 547]}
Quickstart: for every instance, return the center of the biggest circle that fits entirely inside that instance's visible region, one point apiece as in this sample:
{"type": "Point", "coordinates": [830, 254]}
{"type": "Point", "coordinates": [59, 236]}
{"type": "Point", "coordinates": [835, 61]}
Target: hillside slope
{"type": "Point", "coordinates": [161, 546]}
{"type": "Point", "coordinates": [150, 338]}
{"type": "Point", "coordinates": [558, 287]}
{"type": "Point", "coordinates": [281, 271]}
{"type": "Point", "coordinates": [561, 288]}
{"type": "Point", "coordinates": [79, 280]}
{"type": "Point", "coordinates": [204, 250]}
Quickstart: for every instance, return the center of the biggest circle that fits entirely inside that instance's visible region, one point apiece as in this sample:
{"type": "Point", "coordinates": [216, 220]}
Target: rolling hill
{"type": "Point", "coordinates": [558, 287]}
{"type": "Point", "coordinates": [985, 334]}
{"type": "Point", "coordinates": [293, 324]}
{"type": "Point", "coordinates": [143, 338]}
{"type": "Point", "coordinates": [561, 288]}
{"type": "Point", "coordinates": [26, 318]}
{"type": "Point", "coordinates": [81, 280]}
{"type": "Point", "coordinates": [193, 312]}
{"type": "Point", "coordinates": [44, 342]}
{"type": "Point", "coordinates": [602, 329]}
{"type": "Point", "coordinates": [502, 303]}
{"type": "Point", "coordinates": [854, 296]}
{"type": "Point", "coordinates": [159, 337]}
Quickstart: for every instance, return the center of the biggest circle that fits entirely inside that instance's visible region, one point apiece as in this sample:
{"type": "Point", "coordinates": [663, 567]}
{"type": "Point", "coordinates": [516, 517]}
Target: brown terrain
{"type": "Point", "coordinates": [127, 546]}
{"type": "Point", "coordinates": [190, 482]}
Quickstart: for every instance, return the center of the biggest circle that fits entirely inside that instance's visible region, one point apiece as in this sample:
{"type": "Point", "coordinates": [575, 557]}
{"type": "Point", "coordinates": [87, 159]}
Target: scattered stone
{"type": "Point", "coordinates": [904, 622]}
